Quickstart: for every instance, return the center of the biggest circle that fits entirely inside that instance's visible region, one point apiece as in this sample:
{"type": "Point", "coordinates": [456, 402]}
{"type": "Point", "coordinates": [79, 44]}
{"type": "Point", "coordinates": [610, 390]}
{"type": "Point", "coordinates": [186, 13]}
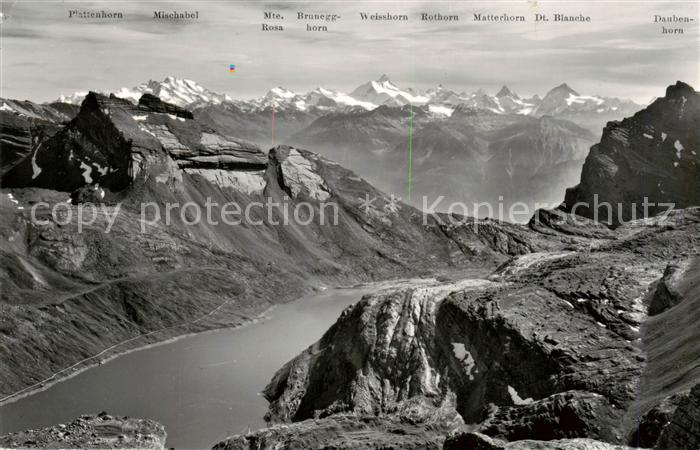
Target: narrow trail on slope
{"type": "Point", "coordinates": [56, 375]}
{"type": "Point", "coordinates": [148, 276]}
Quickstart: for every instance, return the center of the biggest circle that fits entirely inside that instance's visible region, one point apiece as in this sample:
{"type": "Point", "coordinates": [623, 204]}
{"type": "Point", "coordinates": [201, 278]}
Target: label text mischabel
{"type": "Point", "coordinates": [176, 15]}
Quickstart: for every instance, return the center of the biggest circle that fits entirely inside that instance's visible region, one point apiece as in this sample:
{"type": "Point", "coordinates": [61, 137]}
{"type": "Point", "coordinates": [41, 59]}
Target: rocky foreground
{"type": "Point", "coordinates": [553, 345]}
{"type": "Point", "coordinates": [90, 431]}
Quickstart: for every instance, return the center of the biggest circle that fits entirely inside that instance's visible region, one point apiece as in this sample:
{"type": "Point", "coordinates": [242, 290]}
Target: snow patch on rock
{"type": "Point", "coordinates": [679, 148]}
{"type": "Point", "coordinates": [174, 117]}
{"type": "Point", "coordinates": [87, 172]}
{"type": "Point", "coordinates": [517, 400]}
{"type": "Point", "coordinates": [36, 170]}
{"type": "Point", "coordinates": [146, 130]}
{"type": "Point", "coordinates": [462, 354]}
{"type": "Point", "coordinates": [102, 170]}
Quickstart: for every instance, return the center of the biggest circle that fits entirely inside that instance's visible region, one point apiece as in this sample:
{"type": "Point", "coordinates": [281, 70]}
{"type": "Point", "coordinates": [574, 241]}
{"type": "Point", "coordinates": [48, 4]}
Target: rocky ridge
{"type": "Point", "coordinates": [372, 94]}
{"type": "Point", "coordinates": [652, 155]}
{"type": "Point", "coordinates": [24, 126]}
{"type": "Point", "coordinates": [111, 141]}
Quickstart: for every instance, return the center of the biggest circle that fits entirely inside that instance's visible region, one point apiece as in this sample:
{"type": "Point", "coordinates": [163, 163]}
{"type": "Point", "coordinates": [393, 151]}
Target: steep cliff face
{"type": "Point", "coordinates": [548, 347]}
{"type": "Point", "coordinates": [653, 155]}
{"type": "Point", "coordinates": [375, 357]}
{"type": "Point", "coordinates": [111, 141]}
{"type": "Point", "coordinates": [671, 342]}
{"type": "Point", "coordinates": [24, 126]}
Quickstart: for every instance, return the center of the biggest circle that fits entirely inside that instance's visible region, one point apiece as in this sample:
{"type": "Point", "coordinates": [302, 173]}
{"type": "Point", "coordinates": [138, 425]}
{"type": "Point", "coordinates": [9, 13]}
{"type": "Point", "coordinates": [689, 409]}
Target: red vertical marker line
{"type": "Point", "coordinates": [273, 125]}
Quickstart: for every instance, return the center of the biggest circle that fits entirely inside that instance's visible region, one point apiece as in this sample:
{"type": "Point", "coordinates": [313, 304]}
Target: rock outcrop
{"type": "Point", "coordinates": [92, 431]}
{"type": "Point", "coordinates": [154, 104]}
{"type": "Point", "coordinates": [653, 155]}
{"type": "Point", "coordinates": [547, 348]}
{"type": "Point", "coordinates": [478, 441]}
{"type": "Point", "coordinates": [683, 430]}
{"type": "Point", "coordinates": [678, 280]}
{"type": "Point", "coordinates": [417, 426]}
{"type": "Point", "coordinates": [24, 126]}
{"type": "Point", "coordinates": [112, 142]}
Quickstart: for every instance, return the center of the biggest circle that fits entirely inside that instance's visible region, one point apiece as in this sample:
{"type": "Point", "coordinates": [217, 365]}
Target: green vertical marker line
{"type": "Point", "coordinates": [410, 152]}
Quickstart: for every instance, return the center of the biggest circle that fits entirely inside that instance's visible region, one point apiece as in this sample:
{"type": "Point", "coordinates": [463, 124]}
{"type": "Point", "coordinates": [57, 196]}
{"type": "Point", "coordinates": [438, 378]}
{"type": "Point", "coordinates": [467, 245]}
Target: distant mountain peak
{"type": "Point", "coordinates": [505, 92]}
{"type": "Point", "coordinates": [187, 93]}
{"type": "Point", "coordinates": [383, 91]}
{"type": "Point", "coordinates": [661, 143]}
{"type": "Point", "coordinates": [182, 83]}
{"type": "Point", "coordinates": [279, 91]}
{"type": "Point", "coordinates": [679, 89]}
{"type": "Point", "coordinates": [564, 88]}
{"type": "Point", "coordinates": [178, 91]}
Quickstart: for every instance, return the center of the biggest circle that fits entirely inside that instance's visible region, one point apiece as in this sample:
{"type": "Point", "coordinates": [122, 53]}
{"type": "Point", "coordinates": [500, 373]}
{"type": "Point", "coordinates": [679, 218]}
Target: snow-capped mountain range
{"type": "Point", "coordinates": [173, 90]}
{"type": "Point", "coordinates": [440, 101]}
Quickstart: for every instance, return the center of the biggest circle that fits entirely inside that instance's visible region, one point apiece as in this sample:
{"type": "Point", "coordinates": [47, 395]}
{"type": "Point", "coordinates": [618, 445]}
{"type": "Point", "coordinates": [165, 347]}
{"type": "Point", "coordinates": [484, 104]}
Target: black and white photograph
{"type": "Point", "coordinates": [372, 224]}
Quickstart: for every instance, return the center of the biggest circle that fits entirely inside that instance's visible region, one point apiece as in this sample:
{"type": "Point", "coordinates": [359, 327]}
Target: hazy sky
{"type": "Point", "coordinates": [621, 52]}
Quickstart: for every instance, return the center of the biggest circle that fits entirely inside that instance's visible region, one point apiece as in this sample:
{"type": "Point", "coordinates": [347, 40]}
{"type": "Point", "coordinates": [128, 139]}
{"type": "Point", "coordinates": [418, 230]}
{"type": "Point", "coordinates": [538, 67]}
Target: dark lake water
{"type": "Point", "coordinates": [203, 388]}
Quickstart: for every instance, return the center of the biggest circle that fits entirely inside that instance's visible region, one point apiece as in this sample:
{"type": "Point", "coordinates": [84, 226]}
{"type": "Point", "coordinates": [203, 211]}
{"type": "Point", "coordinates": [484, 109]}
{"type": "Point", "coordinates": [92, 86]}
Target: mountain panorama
{"type": "Point", "coordinates": [369, 322]}
{"type": "Point", "coordinates": [371, 95]}
{"type": "Point", "coordinates": [423, 147]}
